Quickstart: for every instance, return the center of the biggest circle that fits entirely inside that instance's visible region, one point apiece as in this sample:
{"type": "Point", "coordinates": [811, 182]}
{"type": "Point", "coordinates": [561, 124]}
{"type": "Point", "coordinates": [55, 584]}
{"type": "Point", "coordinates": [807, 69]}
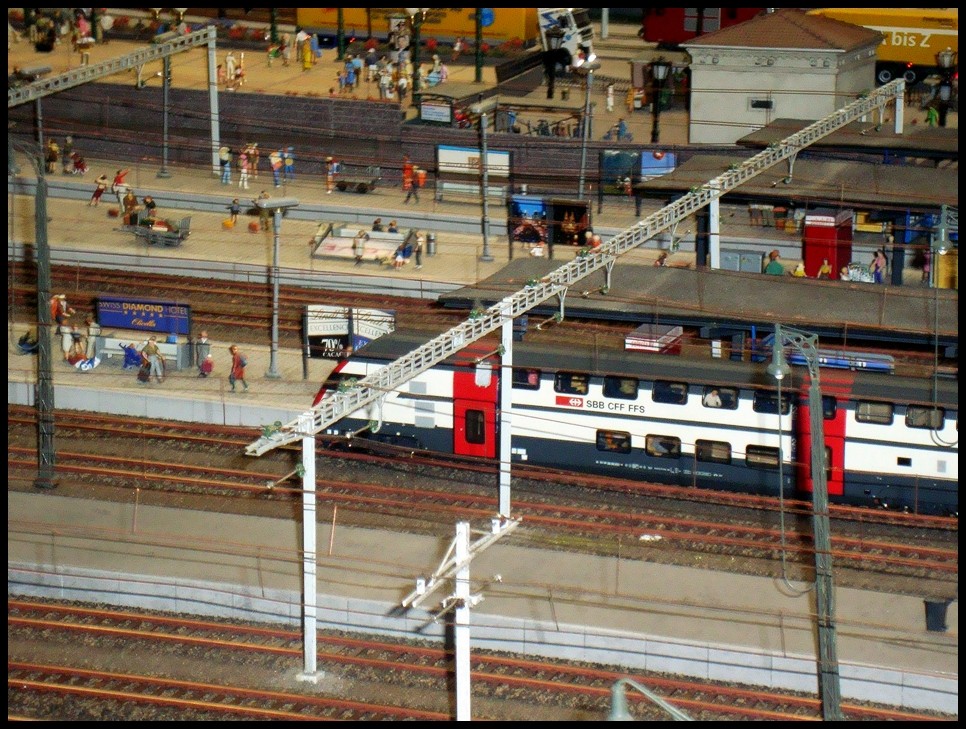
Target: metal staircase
{"type": "Point", "coordinates": [165, 45]}
{"type": "Point", "coordinates": [388, 378]}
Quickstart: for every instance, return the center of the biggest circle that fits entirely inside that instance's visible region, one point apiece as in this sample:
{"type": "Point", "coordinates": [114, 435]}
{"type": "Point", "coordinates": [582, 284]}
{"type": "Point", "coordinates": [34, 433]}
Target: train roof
{"type": "Point", "coordinates": [556, 350]}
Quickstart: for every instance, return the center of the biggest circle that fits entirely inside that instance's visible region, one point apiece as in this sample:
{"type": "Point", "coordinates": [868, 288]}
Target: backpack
{"type": "Point", "coordinates": [243, 360]}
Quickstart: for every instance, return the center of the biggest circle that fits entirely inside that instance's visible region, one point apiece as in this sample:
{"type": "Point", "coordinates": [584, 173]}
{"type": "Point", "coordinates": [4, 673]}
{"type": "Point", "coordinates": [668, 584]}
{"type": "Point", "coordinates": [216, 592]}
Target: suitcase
{"type": "Point", "coordinates": [113, 212]}
{"type": "Point", "coordinates": [253, 227]}
{"type": "Point", "coordinates": [144, 373]}
{"type": "Point", "coordinates": [227, 224]}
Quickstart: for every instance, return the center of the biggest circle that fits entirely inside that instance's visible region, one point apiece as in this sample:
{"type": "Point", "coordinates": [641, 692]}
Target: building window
{"type": "Point", "coordinates": [767, 402]}
{"type": "Point", "coordinates": [761, 456]}
{"type": "Point", "coordinates": [526, 378]}
{"type": "Point", "coordinates": [925, 417]}
{"type": "Point", "coordinates": [712, 451]}
{"type": "Point", "coordinates": [670, 392]}
{"type": "Point", "coordinates": [475, 424]}
{"type": "Point", "coordinates": [622, 388]}
{"type": "Point", "coordinates": [663, 446]}
{"type": "Point", "coordinates": [614, 441]}
{"type": "Point", "coordinates": [570, 383]}
{"type": "Point", "coordinates": [879, 413]}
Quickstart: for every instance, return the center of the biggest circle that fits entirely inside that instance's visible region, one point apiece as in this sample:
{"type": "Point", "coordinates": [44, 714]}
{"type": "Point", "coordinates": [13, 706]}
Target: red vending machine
{"type": "Point", "coordinates": [828, 234]}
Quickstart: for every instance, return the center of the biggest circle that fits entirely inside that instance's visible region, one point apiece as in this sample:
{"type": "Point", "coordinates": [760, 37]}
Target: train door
{"type": "Point", "coordinates": [835, 390]}
{"type": "Point", "coordinates": [474, 411]}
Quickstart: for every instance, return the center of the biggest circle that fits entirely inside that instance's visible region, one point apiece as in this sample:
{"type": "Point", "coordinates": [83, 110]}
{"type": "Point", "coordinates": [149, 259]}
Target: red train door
{"type": "Point", "coordinates": [836, 388]}
{"type": "Point", "coordinates": [474, 411]}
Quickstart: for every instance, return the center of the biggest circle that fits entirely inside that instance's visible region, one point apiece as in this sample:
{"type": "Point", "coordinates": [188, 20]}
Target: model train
{"type": "Point", "coordinates": [890, 441]}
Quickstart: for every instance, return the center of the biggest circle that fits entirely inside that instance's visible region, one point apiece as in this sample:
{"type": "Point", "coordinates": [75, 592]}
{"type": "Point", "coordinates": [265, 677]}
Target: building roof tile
{"type": "Point", "coordinates": [790, 28]}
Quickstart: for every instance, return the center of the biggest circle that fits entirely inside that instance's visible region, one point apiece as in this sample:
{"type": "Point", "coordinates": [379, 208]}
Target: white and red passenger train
{"type": "Point", "coordinates": [890, 441]}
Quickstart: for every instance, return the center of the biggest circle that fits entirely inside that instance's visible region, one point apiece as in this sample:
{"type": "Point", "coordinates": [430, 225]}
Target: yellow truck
{"type": "Point", "coordinates": [913, 38]}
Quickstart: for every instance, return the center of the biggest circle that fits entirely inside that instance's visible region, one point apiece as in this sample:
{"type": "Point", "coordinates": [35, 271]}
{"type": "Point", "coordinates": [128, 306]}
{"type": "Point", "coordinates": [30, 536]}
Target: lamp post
{"type": "Point", "coordinates": [585, 69]}
{"type": "Point", "coordinates": [659, 72]}
{"type": "Point", "coordinates": [46, 452]}
{"type": "Point", "coordinates": [276, 205]}
{"type": "Point", "coordinates": [416, 18]}
{"type": "Point", "coordinates": [166, 90]}
{"type": "Point", "coordinates": [947, 61]}
{"type": "Point", "coordinates": [618, 702]}
{"type": "Point", "coordinates": [481, 108]}
{"type": "Point", "coordinates": [828, 665]}
{"type": "Point", "coordinates": [939, 245]}
{"type": "Point", "coordinates": [554, 37]}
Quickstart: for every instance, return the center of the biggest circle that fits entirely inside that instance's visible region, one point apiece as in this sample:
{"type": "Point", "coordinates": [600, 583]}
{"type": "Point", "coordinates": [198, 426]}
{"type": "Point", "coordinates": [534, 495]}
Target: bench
{"type": "Point", "coordinates": [469, 189]}
{"type": "Point", "coordinates": [334, 240]}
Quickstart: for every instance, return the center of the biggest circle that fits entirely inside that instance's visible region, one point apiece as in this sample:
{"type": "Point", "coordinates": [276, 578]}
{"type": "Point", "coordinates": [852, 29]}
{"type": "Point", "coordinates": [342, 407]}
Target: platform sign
{"type": "Point", "coordinates": [146, 315]}
{"type": "Point", "coordinates": [527, 221]}
{"type": "Point", "coordinates": [465, 161]}
{"type": "Point", "coordinates": [619, 171]}
{"type": "Point", "coordinates": [437, 113]}
{"type": "Point", "coordinates": [657, 163]}
{"type": "Point", "coordinates": [333, 332]}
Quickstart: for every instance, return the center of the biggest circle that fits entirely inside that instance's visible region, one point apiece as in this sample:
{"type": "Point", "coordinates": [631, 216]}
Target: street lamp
{"type": "Point", "coordinates": [277, 205]}
{"type": "Point", "coordinates": [618, 702]}
{"type": "Point", "coordinates": [659, 72]}
{"type": "Point", "coordinates": [947, 61]}
{"type": "Point", "coordinates": [416, 18]}
{"type": "Point", "coordinates": [554, 35]}
{"type": "Point", "coordinates": [587, 69]}
{"type": "Point", "coordinates": [481, 108]}
{"type": "Point", "coordinates": [828, 665]}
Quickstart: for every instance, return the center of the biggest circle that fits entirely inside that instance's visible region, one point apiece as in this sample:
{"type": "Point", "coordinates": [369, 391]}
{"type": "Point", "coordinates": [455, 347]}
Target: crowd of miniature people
{"type": "Point", "coordinates": [877, 269]}
{"type": "Point", "coordinates": [79, 347]}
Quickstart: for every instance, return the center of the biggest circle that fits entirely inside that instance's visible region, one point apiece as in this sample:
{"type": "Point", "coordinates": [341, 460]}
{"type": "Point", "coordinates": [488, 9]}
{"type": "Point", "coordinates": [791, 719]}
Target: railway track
{"type": "Point", "coordinates": [497, 680]}
{"type": "Point", "coordinates": [563, 519]}
{"type": "Point", "coordinates": [228, 309]}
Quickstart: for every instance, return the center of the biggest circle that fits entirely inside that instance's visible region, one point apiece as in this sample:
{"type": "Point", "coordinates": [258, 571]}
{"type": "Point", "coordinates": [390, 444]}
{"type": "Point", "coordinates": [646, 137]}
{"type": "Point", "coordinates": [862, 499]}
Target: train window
{"type": "Point", "coordinates": [761, 456]}
{"type": "Point", "coordinates": [623, 388]}
{"type": "Point", "coordinates": [720, 397]}
{"type": "Point", "coordinates": [613, 440]}
{"type": "Point", "coordinates": [475, 423]}
{"type": "Point", "coordinates": [904, 461]}
{"type": "Point", "coordinates": [829, 407]}
{"type": "Point", "coordinates": [571, 383]}
{"type": "Point", "coordinates": [925, 417]}
{"type": "Point", "coordinates": [663, 446]}
{"type": "Point", "coordinates": [712, 451]}
{"type": "Point", "coordinates": [526, 378]}
{"type": "Point", "coordinates": [672, 392]}
{"type": "Point", "coordinates": [874, 412]}
{"type": "Point", "coordinates": [767, 402]}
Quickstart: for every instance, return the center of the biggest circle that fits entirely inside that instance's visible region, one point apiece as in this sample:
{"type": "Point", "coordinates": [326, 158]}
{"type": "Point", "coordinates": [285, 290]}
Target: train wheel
{"type": "Point", "coordinates": [362, 187]}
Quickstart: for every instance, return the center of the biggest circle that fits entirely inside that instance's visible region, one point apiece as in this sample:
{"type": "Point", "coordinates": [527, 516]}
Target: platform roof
{"type": "Point", "coordinates": [939, 143]}
{"type": "Point", "coordinates": [828, 183]}
{"type": "Point", "coordinates": [716, 298]}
